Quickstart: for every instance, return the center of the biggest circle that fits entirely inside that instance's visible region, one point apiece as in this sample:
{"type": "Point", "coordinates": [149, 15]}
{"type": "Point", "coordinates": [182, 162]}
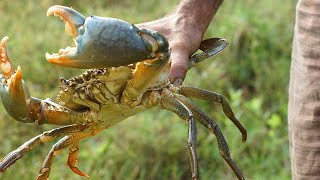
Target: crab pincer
{"type": "Point", "coordinates": [13, 92]}
{"type": "Point", "coordinates": [103, 42]}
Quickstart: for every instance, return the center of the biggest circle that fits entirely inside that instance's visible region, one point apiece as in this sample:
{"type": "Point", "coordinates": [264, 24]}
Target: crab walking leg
{"type": "Point", "coordinates": [63, 143]}
{"type": "Point", "coordinates": [205, 120]}
{"type": "Point", "coordinates": [15, 155]}
{"type": "Point", "coordinates": [198, 93]}
{"type": "Point", "coordinates": [73, 159]}
{"type": "Point", "coordinates": [182, 111]}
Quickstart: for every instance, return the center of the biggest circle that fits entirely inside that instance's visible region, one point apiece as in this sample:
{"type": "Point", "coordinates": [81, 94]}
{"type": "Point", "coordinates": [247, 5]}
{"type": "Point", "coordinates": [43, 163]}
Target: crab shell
{"type": "Point", "coordinates": [107, 91]}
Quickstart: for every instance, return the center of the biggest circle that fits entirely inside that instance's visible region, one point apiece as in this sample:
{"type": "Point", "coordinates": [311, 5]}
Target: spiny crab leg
{"type": "Point", "coordinates": [47, 136]}
{"type": "Point", "coordinates": [73, 159]}
{"type": "Point", "coordinates": [193, 92]}
{"type": "Point", "coordinates": [211, 125]}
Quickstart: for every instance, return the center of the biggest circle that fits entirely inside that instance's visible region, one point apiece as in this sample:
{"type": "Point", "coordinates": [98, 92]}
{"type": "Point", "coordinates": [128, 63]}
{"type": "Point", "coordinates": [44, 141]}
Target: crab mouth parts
{"type": "Point", "coordinates": [73, 22]}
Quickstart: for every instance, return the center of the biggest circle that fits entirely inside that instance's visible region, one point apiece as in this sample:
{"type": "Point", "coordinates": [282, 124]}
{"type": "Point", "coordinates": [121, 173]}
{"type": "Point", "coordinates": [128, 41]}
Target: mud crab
{"type": "Point", "coordinates": [129, 75]}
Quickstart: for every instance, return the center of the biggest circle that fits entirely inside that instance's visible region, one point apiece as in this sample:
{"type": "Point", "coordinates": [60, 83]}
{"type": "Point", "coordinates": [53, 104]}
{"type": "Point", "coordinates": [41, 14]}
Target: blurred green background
{"type": "Point", "coordinates": [252, 73]}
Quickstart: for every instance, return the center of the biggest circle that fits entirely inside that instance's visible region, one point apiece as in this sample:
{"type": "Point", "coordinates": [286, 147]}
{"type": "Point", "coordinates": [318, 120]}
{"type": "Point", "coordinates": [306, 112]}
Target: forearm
{"type": "Point", "coordinates": [199, 12]}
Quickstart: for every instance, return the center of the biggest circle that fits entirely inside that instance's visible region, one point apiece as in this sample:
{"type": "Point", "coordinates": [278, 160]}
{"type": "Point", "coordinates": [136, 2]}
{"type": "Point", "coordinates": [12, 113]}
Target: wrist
{"type": "Point", "coordinates": [199, 13]}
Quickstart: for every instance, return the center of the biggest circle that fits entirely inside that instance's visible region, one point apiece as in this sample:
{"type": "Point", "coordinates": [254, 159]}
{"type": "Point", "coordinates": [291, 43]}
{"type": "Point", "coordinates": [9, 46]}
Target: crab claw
{"type": "Point", "coordinates": [13, 92]}
{"type": "Point", "coordinates": [102, 42]}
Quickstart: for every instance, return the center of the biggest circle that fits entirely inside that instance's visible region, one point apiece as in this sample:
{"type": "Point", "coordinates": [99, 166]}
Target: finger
{"type": "Point", "coordinates": [160, 25]}
{"type": "Point", "coordinates": [179, 66]}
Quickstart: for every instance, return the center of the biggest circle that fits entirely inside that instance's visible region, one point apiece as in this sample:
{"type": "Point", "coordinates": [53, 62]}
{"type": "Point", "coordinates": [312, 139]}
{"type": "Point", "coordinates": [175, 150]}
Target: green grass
{"type": "Point", "coordinates": [253, 74]}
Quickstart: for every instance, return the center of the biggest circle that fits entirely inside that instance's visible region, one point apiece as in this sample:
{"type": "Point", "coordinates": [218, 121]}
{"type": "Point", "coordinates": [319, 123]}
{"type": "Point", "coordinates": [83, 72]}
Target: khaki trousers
{"type": "Point", "coordinates": [304, 93]}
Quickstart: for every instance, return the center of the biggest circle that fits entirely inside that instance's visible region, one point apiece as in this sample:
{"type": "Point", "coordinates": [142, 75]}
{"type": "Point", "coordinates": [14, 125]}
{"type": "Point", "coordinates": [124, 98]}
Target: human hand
{"type": "Point", "coordinates": [184, 29]}
{"type": "Point", "coordinates": [184, 39]}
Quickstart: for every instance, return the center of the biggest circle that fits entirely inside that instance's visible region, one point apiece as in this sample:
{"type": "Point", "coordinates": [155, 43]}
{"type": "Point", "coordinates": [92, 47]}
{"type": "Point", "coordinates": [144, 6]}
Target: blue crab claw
{"type": "Point", "coordinates": [104, 42]}
{"type": "Point", "coordinates": [13, 92]}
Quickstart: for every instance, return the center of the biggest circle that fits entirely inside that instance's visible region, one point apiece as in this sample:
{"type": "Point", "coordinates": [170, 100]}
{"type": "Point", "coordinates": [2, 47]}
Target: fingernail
{"type": "Point", "coordinates": [177, 82]}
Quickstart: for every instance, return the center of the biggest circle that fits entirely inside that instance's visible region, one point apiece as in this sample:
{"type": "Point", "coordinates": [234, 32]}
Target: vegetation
{"type": "Point", "coordinates": [253, 74]}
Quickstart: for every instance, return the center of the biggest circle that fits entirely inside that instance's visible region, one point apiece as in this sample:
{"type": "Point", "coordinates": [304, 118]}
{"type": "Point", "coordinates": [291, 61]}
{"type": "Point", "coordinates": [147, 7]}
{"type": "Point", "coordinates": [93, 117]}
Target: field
{"type": "Point", "coordinates": [252, 73]}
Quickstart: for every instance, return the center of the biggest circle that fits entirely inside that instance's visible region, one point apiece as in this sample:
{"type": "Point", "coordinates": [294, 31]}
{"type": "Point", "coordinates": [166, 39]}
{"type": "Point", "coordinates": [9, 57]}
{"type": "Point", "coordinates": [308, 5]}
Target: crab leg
{"type": "Point", "coordinates": [42, 138]}
{"type": "Point", "coordinates": [198, 93]}
{"type": "Point", "coordinates": [182, 111]}
{"type": "Point", "coordinates": [73, 159]}
{"type": "Point", "coordinates": [206, 121]}
{"type": "Point", "coordinates": [67, 141]}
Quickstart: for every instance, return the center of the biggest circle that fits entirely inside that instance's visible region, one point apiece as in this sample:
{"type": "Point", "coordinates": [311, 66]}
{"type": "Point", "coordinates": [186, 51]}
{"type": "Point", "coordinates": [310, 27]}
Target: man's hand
{"type": "Point", "coordinates": [184, 41]}
{"type": "Point", "coordinates": [184, 28]}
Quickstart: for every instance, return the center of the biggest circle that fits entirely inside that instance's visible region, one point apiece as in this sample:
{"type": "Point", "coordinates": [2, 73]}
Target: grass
{"type": "Point", "coordinates": [253, 74]}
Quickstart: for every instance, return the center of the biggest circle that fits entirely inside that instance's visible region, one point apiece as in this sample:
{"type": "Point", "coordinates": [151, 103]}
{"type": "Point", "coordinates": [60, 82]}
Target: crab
{"type": "Point", "coordinates": [129, 75]}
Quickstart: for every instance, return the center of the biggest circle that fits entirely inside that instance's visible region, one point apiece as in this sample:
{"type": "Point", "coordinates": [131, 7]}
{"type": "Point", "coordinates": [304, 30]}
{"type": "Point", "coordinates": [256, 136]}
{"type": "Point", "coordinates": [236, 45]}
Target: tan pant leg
{"type": "Point", "coordinates": [304, 93]}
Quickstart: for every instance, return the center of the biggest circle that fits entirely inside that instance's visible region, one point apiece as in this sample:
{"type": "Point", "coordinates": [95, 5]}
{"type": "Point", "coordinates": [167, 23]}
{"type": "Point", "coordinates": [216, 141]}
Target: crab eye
{"type": "Point", "coordinates": [154, 44]}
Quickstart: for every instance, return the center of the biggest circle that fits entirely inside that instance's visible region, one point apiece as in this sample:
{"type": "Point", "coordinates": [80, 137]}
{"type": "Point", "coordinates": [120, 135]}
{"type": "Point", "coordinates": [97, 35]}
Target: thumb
{"type": "Point", "coordinates": [179, 66]}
